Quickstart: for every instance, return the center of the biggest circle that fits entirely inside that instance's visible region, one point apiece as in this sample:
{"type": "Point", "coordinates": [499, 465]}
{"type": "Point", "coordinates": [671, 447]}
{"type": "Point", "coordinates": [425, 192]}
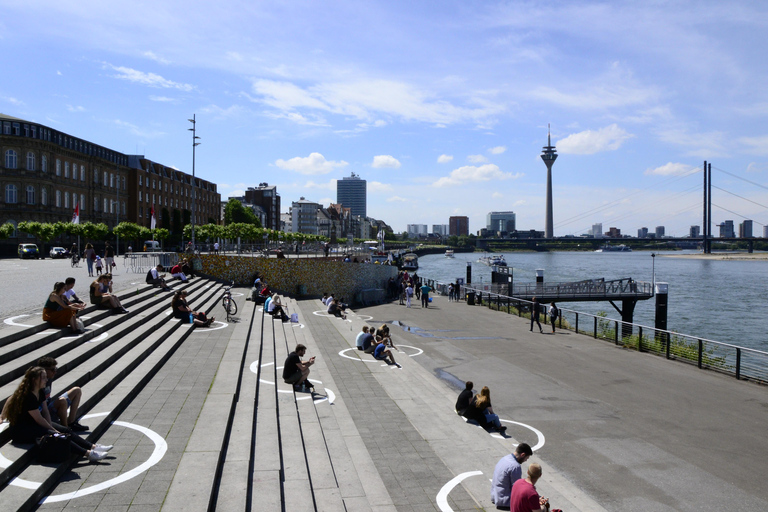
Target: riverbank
{"type": "Point", "coordinates": [722, 256]}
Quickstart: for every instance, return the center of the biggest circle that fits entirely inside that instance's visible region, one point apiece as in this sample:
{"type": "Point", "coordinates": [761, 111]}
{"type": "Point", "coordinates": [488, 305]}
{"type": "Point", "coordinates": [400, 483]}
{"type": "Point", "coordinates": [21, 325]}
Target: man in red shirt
{"type": "Point", "coordinates": [524, 497]}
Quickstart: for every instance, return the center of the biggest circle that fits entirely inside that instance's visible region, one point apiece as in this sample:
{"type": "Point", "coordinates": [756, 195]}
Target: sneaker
{"type": "Point", "coordinates": [308, 385]}
{"type": "Point", "coordinates": [96, 455]}
{"type": "Point", "coordinates": [123, 311]}
{"type": "Point", "coordinates": [103, 448]}
{"type": "Point", "coordinates": [77, 427]}
{"type": "Point", "coordinates": [502, 429]}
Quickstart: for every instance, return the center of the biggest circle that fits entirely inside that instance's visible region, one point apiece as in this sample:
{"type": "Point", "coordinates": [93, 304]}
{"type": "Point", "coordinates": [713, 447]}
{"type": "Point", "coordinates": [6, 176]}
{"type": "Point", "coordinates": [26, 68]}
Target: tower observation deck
{"type": "Point", "coordinates": [549, 155]}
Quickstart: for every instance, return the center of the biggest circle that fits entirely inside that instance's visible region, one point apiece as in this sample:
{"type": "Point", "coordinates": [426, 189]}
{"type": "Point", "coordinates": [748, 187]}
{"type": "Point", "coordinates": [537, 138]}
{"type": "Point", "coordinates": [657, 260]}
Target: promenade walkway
{"type": "Point", "coordinates": [212, 426]}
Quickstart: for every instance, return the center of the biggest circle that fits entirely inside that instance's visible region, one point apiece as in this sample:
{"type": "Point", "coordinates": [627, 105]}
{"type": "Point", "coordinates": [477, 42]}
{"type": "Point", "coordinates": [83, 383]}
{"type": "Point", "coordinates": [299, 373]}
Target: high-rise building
{"type": "Point", "coordinates": [597, 230]}
{"type": "Point", "coordinates": [503, 222]}
{"type": "Point", "coordinates": [695, 232]}
{"type": "Point", "coordinates": [416, 230]}
{"type": "Point", "coordinates": [745, 229]}
{"type": "Point", "coordinates": [765, 231]}
{"type": "Point", "coordinates": [549, 155]}
{"type": "Point", "coordinates": [642, 233]}
{"type": "Point", "coordinates": [727, 230]}
{"type": "Point", "coordinates": [268, 199]}
{"type": "Point", "coordinates": [660, 231]}
{"type": "Point", "coordinates": [458, 226]}
{"type": "Point", "coordinates": [614, 232]}
{"type": "Point", "coordinates": [304, 217]}
{"type": "Point", "coordinates": [440, 229]}
{"type": "Point", "coordinates": [351, 192]}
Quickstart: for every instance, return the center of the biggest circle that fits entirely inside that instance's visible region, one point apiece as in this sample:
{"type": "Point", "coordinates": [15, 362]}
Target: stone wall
{"type": "Point", "coordinates": [317, 275]}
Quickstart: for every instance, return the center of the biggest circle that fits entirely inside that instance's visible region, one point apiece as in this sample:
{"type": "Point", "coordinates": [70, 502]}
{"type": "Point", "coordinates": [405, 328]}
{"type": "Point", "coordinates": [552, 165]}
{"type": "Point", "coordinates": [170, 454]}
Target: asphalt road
{"type": "Point", "coordinates": [25, 284]}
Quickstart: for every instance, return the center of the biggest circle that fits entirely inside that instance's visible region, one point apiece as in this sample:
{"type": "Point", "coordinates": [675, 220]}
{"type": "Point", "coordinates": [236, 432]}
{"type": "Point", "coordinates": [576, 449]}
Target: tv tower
{"type": "Point", "coordinates": [549, 155]}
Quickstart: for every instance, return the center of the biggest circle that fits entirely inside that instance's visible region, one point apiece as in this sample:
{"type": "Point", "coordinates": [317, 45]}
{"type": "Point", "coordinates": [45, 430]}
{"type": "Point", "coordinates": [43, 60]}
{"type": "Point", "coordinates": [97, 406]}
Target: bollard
{"type": "Point", "coordinates": [662, 296]}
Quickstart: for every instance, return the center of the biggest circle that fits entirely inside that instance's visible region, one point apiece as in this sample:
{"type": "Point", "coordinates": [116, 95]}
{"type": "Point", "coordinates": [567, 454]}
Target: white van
{"type": "Point", "coordinates": [151, 246]}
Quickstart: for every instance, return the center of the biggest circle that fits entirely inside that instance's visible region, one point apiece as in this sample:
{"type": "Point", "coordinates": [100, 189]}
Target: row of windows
{"type": "Point", "coordinates": [11, 128]}
{"type": "Point", "coordinates": [62, 199]}
{"type": "Point", "coordinates": [109, 179]}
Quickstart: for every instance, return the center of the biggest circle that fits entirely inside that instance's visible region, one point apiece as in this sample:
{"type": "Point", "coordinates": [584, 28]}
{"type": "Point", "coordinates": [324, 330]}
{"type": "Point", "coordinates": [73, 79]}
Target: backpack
{"type": "Point", "coordinates": [149, 277]}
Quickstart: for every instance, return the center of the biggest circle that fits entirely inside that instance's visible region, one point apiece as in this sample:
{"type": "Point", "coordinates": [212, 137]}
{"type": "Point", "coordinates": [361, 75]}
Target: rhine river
{"type": "Point", "coordinates": [713, 299]}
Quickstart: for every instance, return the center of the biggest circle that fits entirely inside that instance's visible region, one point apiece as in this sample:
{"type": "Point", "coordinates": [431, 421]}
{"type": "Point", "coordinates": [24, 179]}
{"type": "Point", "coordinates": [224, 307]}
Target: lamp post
{"type": "Point", "coordinates": [117, 212]}
{"type": "Point", "coordinates": [653, 270]}
{"type": "Point", "coordinates": [195, 138]}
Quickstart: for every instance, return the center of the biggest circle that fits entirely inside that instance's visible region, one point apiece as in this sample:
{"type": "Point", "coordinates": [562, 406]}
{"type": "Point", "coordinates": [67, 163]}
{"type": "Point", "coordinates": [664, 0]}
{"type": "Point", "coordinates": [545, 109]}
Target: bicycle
{"type": "Point", "coordinates": [230, 306]}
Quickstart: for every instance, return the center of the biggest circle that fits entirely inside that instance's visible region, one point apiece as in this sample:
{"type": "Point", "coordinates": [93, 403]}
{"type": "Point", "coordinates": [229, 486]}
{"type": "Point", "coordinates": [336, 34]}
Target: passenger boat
{"type": "Point", "coordinates": [492, 261]}
{"type": "Point", "coordinates": [410, 261]}
{"type": "Point", "coordinates": [614, 248]}
{"type": "Point", "coordinates": [449, 253]}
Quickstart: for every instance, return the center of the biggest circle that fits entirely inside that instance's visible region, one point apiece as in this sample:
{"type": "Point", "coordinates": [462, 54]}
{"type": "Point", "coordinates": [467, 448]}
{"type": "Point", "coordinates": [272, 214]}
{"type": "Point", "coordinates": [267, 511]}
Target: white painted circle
{"type": "Point", "coordinates": [12, 321]}
{"type": "Point", "coordinates": [330, 396]}
{"type": "Point", "coordinates": [157, 454]}
{"type": "Point", "coordinates": [442, 496]}
{"type": "Point", "coordinates": [237, 294]}
{"type": "Point", "coordinates": [342, 353]}
{"type": "Point", "coordinates": [209, 329]}
{"type": "Point", "coordinates": [365, 318]}
{"type": "Point", "coordinates": [540, 437]}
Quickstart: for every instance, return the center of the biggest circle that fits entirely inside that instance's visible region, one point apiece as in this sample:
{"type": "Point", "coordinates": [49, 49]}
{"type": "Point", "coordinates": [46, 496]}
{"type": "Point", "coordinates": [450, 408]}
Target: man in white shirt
{"type": "Point", "coordinates": [69, 291]}
{"type": "Point", "coordinates": [156, 279]}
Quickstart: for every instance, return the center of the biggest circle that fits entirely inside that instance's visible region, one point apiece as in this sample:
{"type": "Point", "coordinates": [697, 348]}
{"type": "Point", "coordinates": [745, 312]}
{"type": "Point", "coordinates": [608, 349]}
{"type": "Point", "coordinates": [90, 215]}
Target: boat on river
{"type": "Point", "coordinates": [493, 260]}
{"type": "Point", "coordinates": [614, 248]}
{"type": "Point", "coordinates": [449, 253]}
{"type": "Point", "coordinates": [410, 261]}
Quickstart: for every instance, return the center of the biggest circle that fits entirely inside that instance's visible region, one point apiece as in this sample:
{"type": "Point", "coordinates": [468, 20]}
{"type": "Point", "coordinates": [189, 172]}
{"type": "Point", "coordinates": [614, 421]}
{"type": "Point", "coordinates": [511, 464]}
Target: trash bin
{"type": "Point", "coordinates": [470, 298]}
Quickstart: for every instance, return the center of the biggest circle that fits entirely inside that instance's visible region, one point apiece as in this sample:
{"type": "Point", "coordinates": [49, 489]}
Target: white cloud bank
{"type": "Point", "coordinates": [497, 150]}
{"type": "Point", "coordinates": [670, 169]}
{"type": "Point", "coordinates": [444, 159]}
{"type": "Point", "coordinates": [472, 173]}
{"type": "Point", "coordinates": [148, 79]}
{"type": "Point", "coordinates": [315, 163]}
{"type": "Point", "coordinates": [385, 162]}
{"type": "Point", "coordinates": [476, 159]}
{"type": "Point", "coordinates": [590, 142]}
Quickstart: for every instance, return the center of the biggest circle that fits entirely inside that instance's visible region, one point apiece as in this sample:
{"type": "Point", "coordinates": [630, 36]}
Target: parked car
{"type": "Point", "coordinates": [29, 251]}
{"type": "Point", "coordinates": [151, 246]}
{"type": "Point", "coordinates": [58, 252]}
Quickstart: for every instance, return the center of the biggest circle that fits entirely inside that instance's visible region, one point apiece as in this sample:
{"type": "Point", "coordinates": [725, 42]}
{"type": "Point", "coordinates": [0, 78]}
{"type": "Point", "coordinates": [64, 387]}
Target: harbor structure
{"type": "Point", "coordinates": [351, 192]}
{"type": "Point", "coordinates": [549, 155]}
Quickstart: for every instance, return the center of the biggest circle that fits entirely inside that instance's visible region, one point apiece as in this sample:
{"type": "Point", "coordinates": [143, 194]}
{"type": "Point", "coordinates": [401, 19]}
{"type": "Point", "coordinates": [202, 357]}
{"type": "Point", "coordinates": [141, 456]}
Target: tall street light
{"type": "Point", "coordinates": [195, 138]}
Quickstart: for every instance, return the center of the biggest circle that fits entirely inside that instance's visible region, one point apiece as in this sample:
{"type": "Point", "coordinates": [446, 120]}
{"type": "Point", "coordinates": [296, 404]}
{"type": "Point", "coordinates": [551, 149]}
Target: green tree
{"type": "Point", "coordinates": [6, 230]}
{"type": "Point", "coordinates": [234, 212]}
{"type": "Point", "coordinates": [128, 231]}
{"type": "Point", "coordinates": [43, 232]}
{"type": "Point", "coordinates": [453, 241]}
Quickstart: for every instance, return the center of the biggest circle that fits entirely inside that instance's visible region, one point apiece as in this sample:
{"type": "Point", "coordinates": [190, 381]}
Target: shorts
{"type": "Point", "coordinates": [295, 378]}
{"type": "Point", "coordinates": [52, 408]}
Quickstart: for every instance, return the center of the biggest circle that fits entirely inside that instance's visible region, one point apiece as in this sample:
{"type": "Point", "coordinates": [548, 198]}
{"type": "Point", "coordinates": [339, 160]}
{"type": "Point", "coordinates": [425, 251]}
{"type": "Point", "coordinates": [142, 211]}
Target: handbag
{"type": "Point", "coordinates": [53, 448]}
{"type": "Point", "coordinates": [294, 318]}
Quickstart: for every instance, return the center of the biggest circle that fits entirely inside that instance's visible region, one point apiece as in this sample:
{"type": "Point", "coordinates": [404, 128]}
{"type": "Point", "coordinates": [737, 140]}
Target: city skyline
{"type": "Point", "coordinates": [442, 111]}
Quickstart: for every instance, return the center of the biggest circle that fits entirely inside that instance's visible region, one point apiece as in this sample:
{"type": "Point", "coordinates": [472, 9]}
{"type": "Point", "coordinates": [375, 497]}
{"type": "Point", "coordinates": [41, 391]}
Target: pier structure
{"type": "Point", "coordinates": [549, 155]}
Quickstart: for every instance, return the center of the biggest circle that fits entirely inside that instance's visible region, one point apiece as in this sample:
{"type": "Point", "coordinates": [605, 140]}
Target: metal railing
{"type": "Point", "coordinates": [740, 362]}
{"type": "Point", "coordinates": [586, 289]}
{"type": "Point", "coordinates": [143, 262]}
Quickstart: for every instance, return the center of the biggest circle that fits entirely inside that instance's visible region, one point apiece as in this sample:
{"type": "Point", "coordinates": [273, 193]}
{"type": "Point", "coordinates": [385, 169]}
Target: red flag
{"type": "Point", "coordinates": [153, 222]}
{"type": "Point", "coordinates": [76, 215]}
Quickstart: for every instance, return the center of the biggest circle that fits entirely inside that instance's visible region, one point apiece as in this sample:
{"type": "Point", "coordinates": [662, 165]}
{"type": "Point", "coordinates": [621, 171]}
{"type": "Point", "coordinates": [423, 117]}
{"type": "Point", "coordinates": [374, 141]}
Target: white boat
{"type": "Point", "coordinates": [410, 261]}
{"type": "Point", "coordinates": [491, 261]}
{"type": "Point", "coordinates": [614, 248]}
{"type": "Point", "coordinates": [449, 253]}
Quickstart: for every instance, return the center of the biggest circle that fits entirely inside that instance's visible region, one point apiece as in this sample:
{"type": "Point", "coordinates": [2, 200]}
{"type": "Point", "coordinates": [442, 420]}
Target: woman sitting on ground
{"type": "Point", "coordinates": [58, 312]}
{"type": "Point", "coordinates": [383, 331]}
{"type": "Point", "coordinates": [481, 411]}
{"type": "Point", "coordinates": [182, 311]}
{"type": "Point", "coordinates": [275, 308]}
{"type": "Point", "coordinates": [29, 417]}
{"type": "Point", "coordinates": [101, 294]}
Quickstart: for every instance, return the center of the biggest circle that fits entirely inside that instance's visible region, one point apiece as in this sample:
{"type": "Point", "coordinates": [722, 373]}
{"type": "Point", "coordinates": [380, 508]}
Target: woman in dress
{"type": "Point", "coordinates": [181, 310]}
{"type": "Point", "coordinates": [90, 256]}
{"type": "Point", "coordinates": [60, 313]}
{"type": "Point", "coordinates": [29, 417]}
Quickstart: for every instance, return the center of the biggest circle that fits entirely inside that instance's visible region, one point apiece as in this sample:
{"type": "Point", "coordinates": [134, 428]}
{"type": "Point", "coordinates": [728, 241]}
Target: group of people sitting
{"type": "Point", "coordinates": [63, 305]}
{"type": "Point", "coordinates": [274, 307]}
{"type": "Point", "coordinates": [182, 311]}
{"type": "Point", "coordinates": [182, 271]}
{"type": "Point", "coordinates": [478, 408]}
{"type": "Point", "coordinates": [34, 412]}
{"type": "Point", "coordinates": [375, 341]}
{"type": "Point", "coordinates": [334, 306]}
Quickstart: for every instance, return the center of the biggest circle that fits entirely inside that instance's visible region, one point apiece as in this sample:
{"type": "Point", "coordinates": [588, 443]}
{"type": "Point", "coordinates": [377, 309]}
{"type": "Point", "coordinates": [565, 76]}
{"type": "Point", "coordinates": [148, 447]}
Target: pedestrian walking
{"type": "Point", "coordinates": [535, 314]}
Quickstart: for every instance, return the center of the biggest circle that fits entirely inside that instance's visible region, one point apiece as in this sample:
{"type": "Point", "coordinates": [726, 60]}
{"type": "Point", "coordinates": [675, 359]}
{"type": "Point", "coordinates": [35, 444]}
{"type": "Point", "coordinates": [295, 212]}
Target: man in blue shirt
{"type": "Point", "coordinates": [508, 470]}
{"type": "Point", "coordinates": [382, 352]}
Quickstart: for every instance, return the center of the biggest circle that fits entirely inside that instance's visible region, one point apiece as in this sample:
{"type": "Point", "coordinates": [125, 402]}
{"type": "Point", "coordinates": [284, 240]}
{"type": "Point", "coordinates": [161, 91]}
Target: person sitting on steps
{"type": "Point", "coordinates": [101, 294]}
{"type": "Point", "coordinates": [182, 311]}
{"type": "Point", "coordinates": [296, 371]}
{"type": "Point", "coordinates": [155, 278]}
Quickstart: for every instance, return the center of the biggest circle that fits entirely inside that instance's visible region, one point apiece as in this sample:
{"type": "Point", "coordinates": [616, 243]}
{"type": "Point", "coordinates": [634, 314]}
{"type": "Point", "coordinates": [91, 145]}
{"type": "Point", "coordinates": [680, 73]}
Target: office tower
{"type": "Point", "coordinates": [268, 199]}
{"type": "Point", "coordinates": [458, 226]}
{"type": "Point", "coordinates": [351, 193]}
{"type": "Point", "coordinates": [500, 222]}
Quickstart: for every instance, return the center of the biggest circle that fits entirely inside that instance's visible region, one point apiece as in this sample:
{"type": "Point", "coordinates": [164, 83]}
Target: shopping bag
{"type": "Point", "coordinates": [295, 318]}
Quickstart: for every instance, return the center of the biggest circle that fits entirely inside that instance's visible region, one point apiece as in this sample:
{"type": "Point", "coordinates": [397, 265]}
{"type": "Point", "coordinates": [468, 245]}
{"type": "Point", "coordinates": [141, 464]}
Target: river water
{"type": "Point", "coordinates": [718, 300]}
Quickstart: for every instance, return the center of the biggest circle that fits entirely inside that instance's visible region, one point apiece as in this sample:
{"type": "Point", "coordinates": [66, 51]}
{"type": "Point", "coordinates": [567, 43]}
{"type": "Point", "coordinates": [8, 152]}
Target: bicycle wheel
{"type": "Point", "coordinates": [232, 310]}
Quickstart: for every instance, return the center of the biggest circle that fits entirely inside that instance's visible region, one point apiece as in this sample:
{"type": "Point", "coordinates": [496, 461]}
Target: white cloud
{"type": "Point", "coordinates": [398, 199]}
{"type": "Point", "coordinates": [385, 162]}
{"type": "Point", "coordinates": [13, 101]}
{"type": "Point", "coordinates": [315, 163]}
{"type": "Point", "coordinates": [307, 120]}
{"type": "Point", "coordinates": [476, 159]}
{"type": "Point", "coordinates": [702, 145]}
{"type": "Point", "coordinates": [138, 131]}
{"type": "Point", "coordinates": [444, 159]}
{"type": "Point", "coordinates": [75, 109]}
{"type": "Point", "coordinates": [366, 99]}
{"type": "Point", "coordinates": [148, 79]}
{"type": "Point", "coordinates": [163, 99]}
{"type": "Point", "coordinates": [590, 142]}
{"type": "Point", "coordinates": [497, 150]}
{"type": "Point", "coordinates": [223, 113]}
{"type": "Point", "coordinates": [377, 186]}
{"type": "Point", "coordinates": [59, 73]}
{"type": "Point", "coordinates": [670, 169]}
{"type": "Point", "coordinates": [153, 56]}
{"type": "Point", "coordinates": [330, 185]}
{"type": "Point", "coordinates": [471, 173]}
{"type": "Point", "coordinates": [756, 145]}
{"type": "Point", "coordinates": [755, 167]}
{"type": "Point", "coordinates": [497, 195]}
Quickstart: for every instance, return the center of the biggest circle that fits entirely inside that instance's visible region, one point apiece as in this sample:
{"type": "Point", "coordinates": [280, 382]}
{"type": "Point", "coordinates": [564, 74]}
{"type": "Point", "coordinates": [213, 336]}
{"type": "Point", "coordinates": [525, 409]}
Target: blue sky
{"type": "Point", "coordinates": [441, 106]}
